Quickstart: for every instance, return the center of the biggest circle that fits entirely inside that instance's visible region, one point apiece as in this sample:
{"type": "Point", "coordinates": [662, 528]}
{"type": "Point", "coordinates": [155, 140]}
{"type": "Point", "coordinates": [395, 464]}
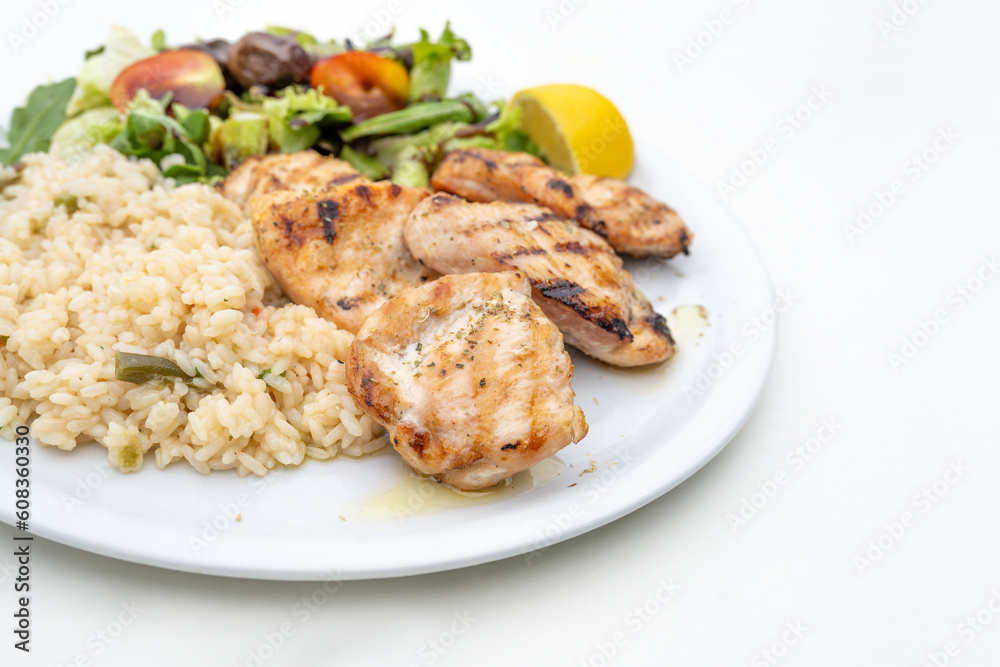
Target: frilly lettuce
{"type": "Point", "coordinates": [431, 70]}
{"type": "Point", "coordinates": [99, 71]}
{"type": "Point", "coordinates": [296, 117]}
{"type": "Point", "coordinates": [77, 137]}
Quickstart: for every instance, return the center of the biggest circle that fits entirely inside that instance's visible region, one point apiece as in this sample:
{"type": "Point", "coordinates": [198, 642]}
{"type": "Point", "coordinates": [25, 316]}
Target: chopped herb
{"type": "Point", "coordinates": [482, 382]}
{"type": "Point", "coordinates": [420, 346]}
{"type": "Point", "coordinates": [431, 364]}
{"type": "Point", "coordinates": [263, 373]}
{"type": "Point", "coordinates": [67, 201]}
{"type": "Point", "coordinates": [459, 365]}
{"type": "Point", "coordinates": [143, 368]}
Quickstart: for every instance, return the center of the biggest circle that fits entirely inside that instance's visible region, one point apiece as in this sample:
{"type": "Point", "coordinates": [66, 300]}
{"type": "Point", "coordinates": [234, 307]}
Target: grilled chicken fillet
{"type": "Point", "coordinates": [575, 276]}
{"type": "Point", "coordinates": [299, 172]}
{"type": "Point", "coordinates": [629, 219]}
{"type": "Point", "coordinates": [339, 250]}
{"type": "Point", "coordinates": [469, 377]}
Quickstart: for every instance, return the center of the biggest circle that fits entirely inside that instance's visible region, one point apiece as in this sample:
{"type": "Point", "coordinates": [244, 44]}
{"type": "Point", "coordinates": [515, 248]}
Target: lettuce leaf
{"type": "Point", "coordinates": [297, 117]}
{"type": "Point", "coordinates": [507, 131]}
{"type": "Point", "coordinates": [431, 71]}
{"type": "Point", "coordinates": [99, 71]}
{"type": "Point", "coordinates": [32, 126]}
{"type": "Point", "coordinates": [77, 137]}
{"type": "Point", "coordinates": [240, 136]}
{"type": "Point", "coordinates": [173, 143]}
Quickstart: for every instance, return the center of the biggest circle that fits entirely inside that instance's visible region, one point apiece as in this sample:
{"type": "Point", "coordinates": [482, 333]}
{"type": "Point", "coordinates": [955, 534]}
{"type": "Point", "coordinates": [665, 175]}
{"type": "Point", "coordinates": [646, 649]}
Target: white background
{"type": "Point", "coordinates": [795, 563]}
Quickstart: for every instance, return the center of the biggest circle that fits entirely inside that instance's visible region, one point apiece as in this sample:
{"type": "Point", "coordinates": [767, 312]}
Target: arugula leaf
{"type": "Point", "coordinates": [431, 70]}
{"type": "Point", "coordinates": [174, 144]}
{"type": "Point", "coordinates": [32, 126]}
{"type": "Point", "coordinates": [366, 164]}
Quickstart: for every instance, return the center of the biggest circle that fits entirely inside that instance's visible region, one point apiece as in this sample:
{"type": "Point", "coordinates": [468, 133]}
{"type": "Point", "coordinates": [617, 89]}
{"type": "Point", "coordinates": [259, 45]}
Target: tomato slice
{"type": "Point", "coordinates": [193, 77]}
{"type": "Point", "coordinates": [367, 83]}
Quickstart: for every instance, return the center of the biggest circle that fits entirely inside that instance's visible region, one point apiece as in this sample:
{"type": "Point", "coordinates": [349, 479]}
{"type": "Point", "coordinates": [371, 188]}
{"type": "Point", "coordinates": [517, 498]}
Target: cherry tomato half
{"type": "Point", "coordinates": [367, 83]}
{"type": "Point", "coordinates": [193, 77]}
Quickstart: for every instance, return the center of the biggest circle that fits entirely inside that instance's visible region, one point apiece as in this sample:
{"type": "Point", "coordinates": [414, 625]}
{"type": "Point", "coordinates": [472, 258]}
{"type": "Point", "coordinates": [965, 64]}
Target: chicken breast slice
{"type": "Point", "coordinates": [575, 276]}
{"type": "Point", "coordinates": [299, 172]}
{"type": "Point", "coordinates": [469, 377]}
{"type": "Point", "coordinates": [339, 250]}
{"type": "Point", "coordinates": [626, 217]}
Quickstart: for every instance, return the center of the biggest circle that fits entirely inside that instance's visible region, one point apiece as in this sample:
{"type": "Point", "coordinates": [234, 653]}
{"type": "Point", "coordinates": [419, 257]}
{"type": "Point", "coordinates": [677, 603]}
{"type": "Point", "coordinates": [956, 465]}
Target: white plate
{"type": "Point", "coordinates": [647, 435]}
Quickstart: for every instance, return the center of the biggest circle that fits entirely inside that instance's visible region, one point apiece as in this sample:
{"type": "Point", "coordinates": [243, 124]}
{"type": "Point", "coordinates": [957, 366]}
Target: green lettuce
{"type": "Point", "coordinates": [99, 71]}
{"type": "Point", "coordinates": [240, 136]}
{"type": "Point", "coordinates": [296, 117]}
{"type": "Point", "coordinates": [173, 143]}
{"type": "Point", "coordinates": [77, 137]}
{"type": "Point", "coordinates": [431, 69]}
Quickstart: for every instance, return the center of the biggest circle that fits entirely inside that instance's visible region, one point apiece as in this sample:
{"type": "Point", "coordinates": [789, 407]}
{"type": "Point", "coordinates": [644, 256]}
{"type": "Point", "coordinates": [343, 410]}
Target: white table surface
{"type": "Point", "coordinates": [791, 580]}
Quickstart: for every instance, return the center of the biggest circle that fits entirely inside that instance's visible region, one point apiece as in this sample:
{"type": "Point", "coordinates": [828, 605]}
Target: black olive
{"type": "Point", "coordinates": [261, 58]}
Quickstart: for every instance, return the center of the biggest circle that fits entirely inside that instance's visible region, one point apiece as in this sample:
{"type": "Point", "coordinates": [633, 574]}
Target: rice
{"type": "Point", "coordinates": [131, 262]}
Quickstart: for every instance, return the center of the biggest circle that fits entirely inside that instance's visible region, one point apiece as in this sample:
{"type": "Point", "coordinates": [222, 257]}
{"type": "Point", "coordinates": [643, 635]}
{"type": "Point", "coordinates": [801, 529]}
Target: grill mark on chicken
{"type": "Point", "coordinates": [544, 216]}
{"type": "Point", "coordinates": [503, 257]}
{"type": "Point", "coordinates": [574, 247]}
{"type": "Point", "coordinates": [567, 292]}
{"type": "Point", "coordinates": [346, 178]}
{"type": "Point", "coordinates": [365, 193]}
{"type": "Point", "coordinates": [659, 325]}
{"type": "Point", "coordinates": [628, 218]}
{"type": "Point", "coordinates": [685, 241]}
{"type": "Point", "coordinates": [560, 185]}
{"type": "Point", "coordinates": [327, 211]}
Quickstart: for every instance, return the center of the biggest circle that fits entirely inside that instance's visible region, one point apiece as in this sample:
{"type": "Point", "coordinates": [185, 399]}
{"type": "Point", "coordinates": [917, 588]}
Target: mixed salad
{"type": "Point", "coordinates": [197, 110]}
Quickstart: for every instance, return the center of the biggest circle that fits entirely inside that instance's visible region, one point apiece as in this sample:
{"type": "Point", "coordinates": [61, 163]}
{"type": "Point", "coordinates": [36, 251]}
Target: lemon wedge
{"type": "Point", "coordinates": [577, 129]}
